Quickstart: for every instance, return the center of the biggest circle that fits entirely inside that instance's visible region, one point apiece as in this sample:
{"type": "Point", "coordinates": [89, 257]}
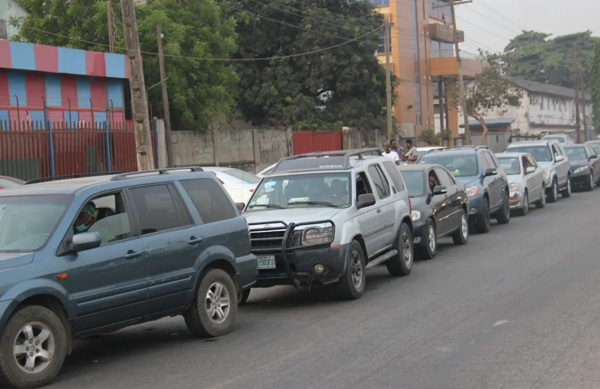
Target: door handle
{"type": "Point", "coordinates": [378, 210]}
{"type": "Point", "coordinates": [193, 240]}
{"type": "Point", "coordinates": [133, 254]}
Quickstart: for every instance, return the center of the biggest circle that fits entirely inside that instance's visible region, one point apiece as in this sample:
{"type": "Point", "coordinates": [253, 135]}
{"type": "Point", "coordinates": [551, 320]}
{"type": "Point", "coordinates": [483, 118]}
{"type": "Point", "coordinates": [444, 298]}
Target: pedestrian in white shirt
{"type": "Point", "coordinates": [388, 152]}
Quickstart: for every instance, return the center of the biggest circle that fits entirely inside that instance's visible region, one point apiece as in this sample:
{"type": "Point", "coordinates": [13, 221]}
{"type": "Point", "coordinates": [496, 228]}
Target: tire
{"type": "Point", "coordinates": [553, 192]}
{"type": "Point", "coordinates": [429, 248]}
{"type": "Point", "coordinates": [525, 208]}
{"type": "Point", "coordinates": [541, 203]}
{"type": "Point", "coordinates": [38, 327]}
{"type": "Point", "coordinates": [244, 296]}
{"type": "Point", "coordinates": [589, 185]}
{"type": "Point", "coordinates": [461, 236]}
{"type": "Point", "coordinates": [217, 290]}
{"type": "Point", "coordinates": [503, 216]}
{"type": "Point", "coordinates": [401, 264]}
{"type": "Point", "coordinates": [566, 193]}
{"type": "Point", "coordinates": [352, 285]}
{"type": "Point", "coordinates": [483, 222]}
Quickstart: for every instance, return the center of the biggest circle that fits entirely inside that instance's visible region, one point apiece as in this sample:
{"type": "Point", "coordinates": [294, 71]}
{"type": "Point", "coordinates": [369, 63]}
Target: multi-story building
{"type": "Point", "coordinates": [422, 56]}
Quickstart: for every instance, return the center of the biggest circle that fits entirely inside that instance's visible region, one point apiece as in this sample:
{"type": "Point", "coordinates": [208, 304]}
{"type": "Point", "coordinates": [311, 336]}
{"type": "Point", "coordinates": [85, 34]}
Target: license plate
{"type": "Point", "coordinates": [266, 262]}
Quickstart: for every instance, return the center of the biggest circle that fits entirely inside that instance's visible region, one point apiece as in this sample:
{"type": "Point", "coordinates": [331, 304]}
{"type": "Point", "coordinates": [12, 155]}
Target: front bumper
{"type": "Point", "coordinates": [475, 207]}
{"type": "Point", "coordinates": [419, 233]}
{"type": "Point", "coordinates": [516, 200]}
{"type": "Point", "coordinates": [580, 178]}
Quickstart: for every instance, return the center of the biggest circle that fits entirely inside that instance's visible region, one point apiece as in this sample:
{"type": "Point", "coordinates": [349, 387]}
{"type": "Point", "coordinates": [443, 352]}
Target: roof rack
{"type": "Point", "coordinates": [458, 148]}
{"type": "Point", "coordinates": [124, 176]}
{"type": "Point", "coordinates": [346, 154]}
{"type": "Point", "coordinates": [67, 177]}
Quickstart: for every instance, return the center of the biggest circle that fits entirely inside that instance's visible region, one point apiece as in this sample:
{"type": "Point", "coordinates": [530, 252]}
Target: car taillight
{"type": "Point", "coordinates": [251, 190]}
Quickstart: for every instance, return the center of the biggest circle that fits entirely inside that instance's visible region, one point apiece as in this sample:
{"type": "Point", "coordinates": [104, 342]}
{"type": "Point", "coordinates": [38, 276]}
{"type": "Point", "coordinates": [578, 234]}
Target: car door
{"type": "Point", "coordinates": [170, 244]}
{"type": "Point", "coordinates": [562, 166]}
{"type": "Point", "coordinates": [452, 207]}
{"type": "Point", "coordinates": [493, 182]}
{"type": "Point", "coordinates": [385, 209]}
{"type": "Point", "coordinates": [535, 180]}
{"type": "Point", "coordinates": [368, 217]}
{"type": "Point", "coordinates": [594, 162]}
{"type": "Point", "coordinates": [107, 285]}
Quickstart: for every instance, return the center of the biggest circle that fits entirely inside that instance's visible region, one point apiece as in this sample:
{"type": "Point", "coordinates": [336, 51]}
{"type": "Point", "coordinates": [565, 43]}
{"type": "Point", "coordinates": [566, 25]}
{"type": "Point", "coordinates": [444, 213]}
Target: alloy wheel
{"type": "Point", "coordinates": [217, 302]}
{"type": "Point", "coordinates": [34, 347]}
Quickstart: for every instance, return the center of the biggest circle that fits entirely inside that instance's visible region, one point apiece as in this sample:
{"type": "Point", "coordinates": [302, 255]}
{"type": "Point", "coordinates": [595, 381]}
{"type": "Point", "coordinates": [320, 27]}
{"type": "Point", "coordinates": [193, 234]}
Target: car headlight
{"type": "Point", "coordinates": [514, 187]}
{"type": "Point", "coordinates": [316, 234]}
{"type": "Point", "coordinates": [580, 169]}
{"type": "Point", "coordinates": [472, 191]}
{"type": "Point", "coordinates": [546, 174]}
{"type": "Point", "coordinates": [415, 215]}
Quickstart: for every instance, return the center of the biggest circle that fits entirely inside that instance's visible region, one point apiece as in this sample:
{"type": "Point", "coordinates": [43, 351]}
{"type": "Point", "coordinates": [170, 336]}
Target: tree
{"type": "Point", "coordinates": [201, 91]}
{"type": "Point", "coordinates": [594, 85]}
{"type": "Point", "coordinates": [340, 86]}
{"type": "Point", "coordinates": [489, 90]}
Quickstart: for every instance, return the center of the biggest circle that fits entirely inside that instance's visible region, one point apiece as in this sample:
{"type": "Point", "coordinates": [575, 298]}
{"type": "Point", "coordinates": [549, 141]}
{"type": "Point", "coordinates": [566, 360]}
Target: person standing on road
{"type": "Point", "coordinates": [394, 147]}
{"type": "Point", "coordinates": [388, 152]}
{"type": "Point", "coordinates": [411, 154]}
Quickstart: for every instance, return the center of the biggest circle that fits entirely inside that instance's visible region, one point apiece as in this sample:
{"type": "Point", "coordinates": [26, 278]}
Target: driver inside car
{"type": "Point", "coordinates": [86, 219]}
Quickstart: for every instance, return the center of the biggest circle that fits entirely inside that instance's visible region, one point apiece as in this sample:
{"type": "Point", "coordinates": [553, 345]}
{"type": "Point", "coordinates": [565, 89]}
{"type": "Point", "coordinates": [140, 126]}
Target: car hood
{"type": "Point", "coordinates": [514, 179]}
{"type": "Point", "coordinates": [295, 215]}
{"type": "Point", "coordinates": [419, 203]}
{"type": "Point", "coordinates": [578, 163]}
{"type": "Point", "coordinates": [469, 181]}
{"type": "Point", "coordinates": [545, 164]}
{"type": "Point", "coordinates": [11, 260]}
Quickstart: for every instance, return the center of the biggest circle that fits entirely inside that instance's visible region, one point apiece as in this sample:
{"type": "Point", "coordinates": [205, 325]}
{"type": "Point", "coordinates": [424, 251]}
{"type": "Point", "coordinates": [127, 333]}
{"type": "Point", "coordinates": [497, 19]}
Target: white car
{"type": "Point", "coordinates": [266, 171]}
{"type": "Point", "coordinates": [239, 184]}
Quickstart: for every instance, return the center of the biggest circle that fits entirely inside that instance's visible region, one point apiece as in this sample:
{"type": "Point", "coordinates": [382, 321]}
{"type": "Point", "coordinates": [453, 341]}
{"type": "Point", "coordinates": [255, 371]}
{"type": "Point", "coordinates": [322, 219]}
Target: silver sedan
{"type": "Point", "coordinates": [526, 181]}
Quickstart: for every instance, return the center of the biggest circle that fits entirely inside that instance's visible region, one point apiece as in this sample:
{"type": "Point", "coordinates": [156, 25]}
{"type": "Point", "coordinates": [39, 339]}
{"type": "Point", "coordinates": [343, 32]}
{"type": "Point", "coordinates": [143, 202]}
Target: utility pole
{"type": "Point", "coordinates": [583, 99]}
{"type": "Point", "coordinates": [143, 142]}
{"type": "Point", "coordinates": [388, 80]}
{"type": "Point", "coordinates": [165, 96]}
{"type": "Point", "coordinates": [575, 84]}
{"type": "Point", "coordinates": [461, 81]}
{"type": "Point", "coordinates": [111, 32]}
{"type": "Point", "coordinates": [441, 106]}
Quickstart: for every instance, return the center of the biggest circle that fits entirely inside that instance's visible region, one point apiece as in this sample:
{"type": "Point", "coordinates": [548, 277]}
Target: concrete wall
{"type": "Point", "coordinates": [251, 150]}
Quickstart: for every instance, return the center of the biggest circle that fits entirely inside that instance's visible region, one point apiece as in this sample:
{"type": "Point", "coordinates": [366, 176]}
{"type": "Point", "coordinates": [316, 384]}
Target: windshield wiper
{"type": "Point", "coordinates": [275, 206]}
{"type": "Point", "coordinates": [325, 203]}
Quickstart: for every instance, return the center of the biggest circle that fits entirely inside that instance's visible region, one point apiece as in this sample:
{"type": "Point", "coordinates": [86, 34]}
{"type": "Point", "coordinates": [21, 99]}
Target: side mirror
{"type": "Point", "coordinates": [530, 170]}
{"type": "Point", "coordinates": [593, 156]}
{"type": "Point", "coordinates": [440, 190]}
{"type": "Point", "coordinates": [85, 241]}
{"type": "Point", "coordinates": [365, 200]}
{"type": "Point", "coordinates": [240, 206]}
{"type": "Point", "coordinates": [560, 158]}
{"type": "Point", "coordinates": [491, 172]}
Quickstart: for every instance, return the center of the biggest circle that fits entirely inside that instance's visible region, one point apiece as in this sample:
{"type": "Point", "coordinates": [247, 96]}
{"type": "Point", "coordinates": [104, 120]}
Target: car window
{"type": "Point", "coordinates": [445, 179]}
{"type": "Point", "coordinates": [209, 200]}
{"type": "Point", "coordinates": [492, 159]}
{"type": "Point", "coordinates": [556, 151]}
{"type": "Point", "coordinates": [381, 184]}
{"type": "Point", "coordinates": [362, 185]}
{"type": "Point", "coordinates": [485, 163]}
{"type": "Point", "coordinates": [155, 208]}
{"type": "Point", "coordinates": [540, 153]}
{"type": "Point", "coordinates": [530, 162]}
{"type": "Point", "coordinates": [595, 147]}
{"type": "Point", "coordinates": [577, 153]}
{"type": "Point", "coordinates": [433, 179]}
{"type": "Point", "coordinates": [489, 161]}
{"type": "Point", "coordinates": [459, 165]}
{"type": "Point", "coordinates": [589, 151]}
{"type": "Point", "coordinates": [395, 175]}
{"type": "Point", "coordinates": [510, 165]}
{"type": "Point", "coordinates": [415, 184]}
{"type": "Point", "coordinates": [112, 220]}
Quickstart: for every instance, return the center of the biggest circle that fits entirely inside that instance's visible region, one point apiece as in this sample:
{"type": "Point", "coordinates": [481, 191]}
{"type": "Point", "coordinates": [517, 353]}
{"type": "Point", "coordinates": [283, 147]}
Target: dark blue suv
{"type": "Point", "coordinates": [484, 179]}
{"type": "Point", "coordinates": [90, 255]}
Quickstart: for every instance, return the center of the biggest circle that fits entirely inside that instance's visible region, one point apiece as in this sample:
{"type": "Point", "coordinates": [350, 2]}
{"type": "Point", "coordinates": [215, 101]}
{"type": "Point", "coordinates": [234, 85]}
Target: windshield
{"type": "Point", "coordinates": [539, 153]}
{"type": "Point", "coordinates": [415, 183]}
{"type": "Point", "coordinates": [559, 138]}
{"type": "Point", "coordinates": [458, 165]}
{"type": "Point", "coordinates": [244, 176]}
{"type": "Point", "coordinates": [310, 190]}
{"type": "Point", "coordinates": [510, 165]}
{"type": "Point", "coordinates": [595, 147]}
{"type": "Point", "coordinates": [26, 222]}
{"type": "Point", "coordinates": [576, 153]}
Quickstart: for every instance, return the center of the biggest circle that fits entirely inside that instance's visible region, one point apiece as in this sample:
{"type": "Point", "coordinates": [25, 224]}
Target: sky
{"type": "Point", "coordinates": [490, 24]}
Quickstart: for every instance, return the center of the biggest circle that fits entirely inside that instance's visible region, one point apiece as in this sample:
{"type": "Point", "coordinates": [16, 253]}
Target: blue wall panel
{"type": "Point", "coordinates": [83, 92]}
{"type": "Point", "coordinates": [16, 87]}
{"type": "Point", "coordinates": [38, 118]}
{"type": "Point", "coordinates": [22, 55]}
{"type": "Point", "coordinates": [74, 117]}
{"type": "Point", "coordinates": [53, 92]}
{"type": "Point", "coordinates": [4, 121]}
{"type": "Point", "coordinates": [115, 65]}
{"type": "Point", "coordinates": [99, 119]}
{"type": "Point", "coordinates": [114, 95]}
{"type": "Point", "coordinates": [71, 61]}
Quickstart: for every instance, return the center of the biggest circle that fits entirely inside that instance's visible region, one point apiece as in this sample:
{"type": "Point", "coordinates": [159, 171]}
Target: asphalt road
{"type": "Point", "coordinates": [516, 308]}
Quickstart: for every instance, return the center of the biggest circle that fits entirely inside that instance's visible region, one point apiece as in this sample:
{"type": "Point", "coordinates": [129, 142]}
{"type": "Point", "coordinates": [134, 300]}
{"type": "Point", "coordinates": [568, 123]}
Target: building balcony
{"type": "Point", "coordinates": [444, 33]}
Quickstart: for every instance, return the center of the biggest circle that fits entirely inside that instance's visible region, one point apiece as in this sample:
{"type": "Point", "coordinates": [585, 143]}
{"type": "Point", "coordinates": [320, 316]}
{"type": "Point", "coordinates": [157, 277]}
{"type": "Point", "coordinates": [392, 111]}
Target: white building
{"type": "Point", "coordinates": [8, 9]}
{"type": "Point", "coordinates": [544, 109]}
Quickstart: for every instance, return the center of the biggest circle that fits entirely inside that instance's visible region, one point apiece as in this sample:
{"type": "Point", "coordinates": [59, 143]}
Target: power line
{"type": "Point", "coordinates": [512, 30]}
{"type": "Point", "coordinates": [483, 29]}
{"type": "Point", "coordinates": [502, 16]}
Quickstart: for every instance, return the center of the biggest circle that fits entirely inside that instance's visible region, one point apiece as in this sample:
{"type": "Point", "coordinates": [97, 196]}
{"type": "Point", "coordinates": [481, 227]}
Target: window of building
{"type": "Point", "coordinates": [209, 199]}
{"type": "Point", "coordinates": [156, 209]}
{"type": "Point", "coordinates": [380, 2]}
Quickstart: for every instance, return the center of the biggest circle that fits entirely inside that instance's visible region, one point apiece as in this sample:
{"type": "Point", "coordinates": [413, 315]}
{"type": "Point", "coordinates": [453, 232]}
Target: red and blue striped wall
{"type": "Point", "coordinates": [76, 85]}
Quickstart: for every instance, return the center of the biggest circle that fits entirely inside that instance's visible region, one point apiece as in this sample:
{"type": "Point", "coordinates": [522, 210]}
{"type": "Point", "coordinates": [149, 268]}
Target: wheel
{"type": "Point", "coordinates": [33, 348]}
{"type": "Point", "coordinates": [483, 222]}
{"type": "Point", "coordinates": [244, 296]}
{"type": "Point", "coordinates": [215, 306]}
{"type": "Point", "coordinates": [352, 285]}
{"type": "Point", "coordinates": [402, 263]}
{"type": "Point", "coordinates": [461, 236]}
{"type": "Point", "coordinates": [541, 203]}
{"type": "Point", "coordinates": [566, 193]}
{"type": "Point", "coordinates": [429, 248]}
{"type": "Point", "coordinates": [503, 216]}
{"type": "Point", "coordinates": [589, 185]}
{"type": "Point", "coordinates": [553, 192]}
{"type": "Point", "coordinates": [525, 209]}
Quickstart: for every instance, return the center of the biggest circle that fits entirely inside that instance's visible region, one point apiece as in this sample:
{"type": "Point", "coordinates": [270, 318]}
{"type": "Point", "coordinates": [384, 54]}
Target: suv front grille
{"type": "Point", "coordinates": [267, 237]}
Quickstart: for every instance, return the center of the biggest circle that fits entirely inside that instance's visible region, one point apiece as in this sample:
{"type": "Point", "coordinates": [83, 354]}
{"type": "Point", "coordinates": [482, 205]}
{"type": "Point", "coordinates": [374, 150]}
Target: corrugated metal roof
{"type": "Point", "coordinates": [547, 89]}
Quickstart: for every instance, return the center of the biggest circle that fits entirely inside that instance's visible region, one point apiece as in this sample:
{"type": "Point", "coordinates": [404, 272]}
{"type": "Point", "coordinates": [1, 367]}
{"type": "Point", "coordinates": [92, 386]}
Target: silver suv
{"type": "Point", "coordinates": [327, 218]}
{"type": "Point", "coordinates": [551, 156]}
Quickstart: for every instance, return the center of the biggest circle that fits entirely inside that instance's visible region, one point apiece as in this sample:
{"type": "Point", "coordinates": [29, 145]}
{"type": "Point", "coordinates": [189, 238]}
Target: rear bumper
{"type": "Point", "coordinates": [247, 271]}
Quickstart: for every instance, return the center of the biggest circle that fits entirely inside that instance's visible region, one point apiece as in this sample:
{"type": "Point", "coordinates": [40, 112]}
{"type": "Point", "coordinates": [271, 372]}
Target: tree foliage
{"type": "Point", "coordinates": [594, 85]}
{"type": "Point", "coordinates": [200, 91]}
{"type": "Point", "coordinates": [533, 56]}
{"type": "Point", "coordinates": [341, 86]}
{"type": "Point", "coordinates": [489, 90]}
